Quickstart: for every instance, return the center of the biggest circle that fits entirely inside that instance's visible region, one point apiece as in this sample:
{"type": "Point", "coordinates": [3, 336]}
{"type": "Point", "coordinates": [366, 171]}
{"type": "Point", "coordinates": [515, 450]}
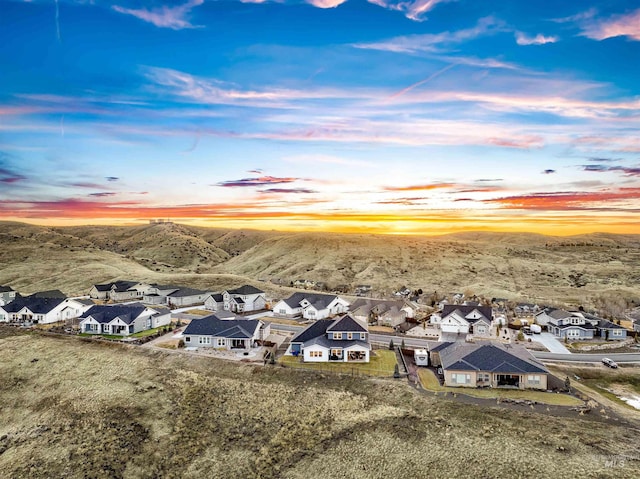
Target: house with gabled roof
{"type": "Point", "coordinates": [489, 364]}
{"type": "Point", "coordinates": [568, 325]}
{"type": "Point", "coordinates": [382, 312]}
{"type": "Point", "coordinates": [119, 290]}
{"type": "Point", "coordinates": [344, 339]}
{"type": "Point", "coordinates": [174, 295]}
{"type": "Point", "coordinates": [35, 309]}
{"type": "Point", "coordinates": [311, 306]}
{"type": "Point", "coordinates": [214, 302]}
{"type": "Point", "coordinates": [7, 294]}
{"type": "Point", "coordinates": [464, 319]}
{"type": "Point", "coordinates": [229, 334]}
{"type": "Point", "coordinates": [244, 299]}
{"type": "Point", "coordinates": [123, 319]}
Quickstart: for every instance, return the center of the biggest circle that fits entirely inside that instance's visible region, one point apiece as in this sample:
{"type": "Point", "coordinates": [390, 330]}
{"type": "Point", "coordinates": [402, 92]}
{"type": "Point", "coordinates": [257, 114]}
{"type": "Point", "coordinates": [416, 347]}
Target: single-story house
{"type": "Point", "coordinates": [214, 332]}
{"type": "Point", "coordinates": [214, 302]}
{"type": "Point", "coordinates": [124, 319]}
{"type": "Point", "coordinates": [187, 297]}
{"type": "Point", "coordinates": [42, 310]}
{"type": "Point", "coordinates": [464, 319]}
{"type": "Point", "coordinates": [526, 309]}
{"type": "Point", "coordinates": [311, 306]}
{"type": "Point", "coordinates": [344, 339]}
{"type": "Point", "coordinates": [489, 364]}
{"type": "Point", "coordinates": [382, 312]}
{"type": "Point", "coordinates": [244, 299]}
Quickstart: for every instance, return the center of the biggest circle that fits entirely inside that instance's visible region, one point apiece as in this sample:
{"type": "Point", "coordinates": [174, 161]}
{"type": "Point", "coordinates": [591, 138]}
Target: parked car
{"type": "Point", "coordinates": [609, 362]}
{"type": "Point", "coordinates": [527, 330]}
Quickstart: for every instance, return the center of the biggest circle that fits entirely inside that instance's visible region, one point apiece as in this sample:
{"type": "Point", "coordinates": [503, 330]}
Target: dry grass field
{"type": "Point", "coordinates": [74, 408]}
{"type": "Point", "coordinates": [588, 270]}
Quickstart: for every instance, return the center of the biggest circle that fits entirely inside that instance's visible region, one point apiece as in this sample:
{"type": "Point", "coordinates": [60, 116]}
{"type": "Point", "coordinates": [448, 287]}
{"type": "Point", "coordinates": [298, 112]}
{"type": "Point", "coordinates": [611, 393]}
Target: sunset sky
{"type": "Point", "coordinates": [424, 116]}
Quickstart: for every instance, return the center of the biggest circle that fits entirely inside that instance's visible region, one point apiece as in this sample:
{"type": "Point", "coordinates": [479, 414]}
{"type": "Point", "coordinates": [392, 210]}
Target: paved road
{"type": "Point", "coordinates": [424, 343]}
{"type": "Point", "coordinates": [589, 358]}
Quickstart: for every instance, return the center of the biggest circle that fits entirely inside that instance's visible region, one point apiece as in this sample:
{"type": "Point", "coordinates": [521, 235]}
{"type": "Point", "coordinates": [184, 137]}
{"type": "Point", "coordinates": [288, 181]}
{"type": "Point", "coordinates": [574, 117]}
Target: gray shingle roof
{"type": "Point", "coordinates": [34, 304]}
{"type": "Point", "coordinates": [318, 300]}
{"type": "Point", "coordinates": [181, 292]}
{"type": "Point", "coordinates": [465, 310]}
{"type": "Point", "coordinates": [51, 293]}
{"type": "Point", "coordinates": [218, 298]}
{"type": "Point", "coordinates": [105, 313]}
{"type": "Point", "coordinates": [493, 357]}
{"type": "Point", "coordinates": [346, 324]}
{"type": "Point", "coordinates": [319, 328]}
{"type": "Point", "coordinates": [225, 328]}
{"type": "Point", "coordinates": [245, 290]}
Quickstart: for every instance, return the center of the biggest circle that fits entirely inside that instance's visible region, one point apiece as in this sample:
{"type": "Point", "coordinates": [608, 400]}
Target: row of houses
{"type": "Point", "coordinates": [247, 298]}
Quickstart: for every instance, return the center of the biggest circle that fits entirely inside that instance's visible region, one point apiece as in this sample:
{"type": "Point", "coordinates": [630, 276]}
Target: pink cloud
{"type": "Point", "coordinates": [627, 25]}
{"type": "Point", "coordinates": [164, 17]}
{"type": "Point", "coordinates": [326, 3]}
{"type": "Point", "coordinates": [539, 39]}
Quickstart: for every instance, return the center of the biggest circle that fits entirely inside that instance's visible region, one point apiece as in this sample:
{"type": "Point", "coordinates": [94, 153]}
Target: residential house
{"type": "Point", "coordinates": [41, 310]}
{"type": "Point", "coordinates": [526, 309]}
{"type": "Point", "coordinates": [119, 291]}
{"type": "Point", "coordinates": [123, 319]}
{"type": "Point", "coordinates": [464, 319]}
{"type": "Point", "coordinates": [187, 297]}
{"type": "Point", "coordinates": [543, 317]}
{"type": "Point", "coordinates": [605, 329]}
{"type": "Point", "coordinates": [344, 339]}
{"type": "Point", "coordinates": [489, 364]}
{"type": "Point", "coordinates": [214, 332]}
{"type": "Point", "coordinates": [382, 312]}
{"type": "Point", "coordinates": [7, 294]}
{"type": "Point", "coordinates": [50, 293]}
{"type": "Point", "coordinates": [570, 326]}
{"type": "Point", "coordinates": [363, 289]}
{"type": "Point", "coordinates": [311, 305]}
{"type": "Point", "coordinates": [244, 299]}
{"type": "Point", "coordinates": [214, 302]}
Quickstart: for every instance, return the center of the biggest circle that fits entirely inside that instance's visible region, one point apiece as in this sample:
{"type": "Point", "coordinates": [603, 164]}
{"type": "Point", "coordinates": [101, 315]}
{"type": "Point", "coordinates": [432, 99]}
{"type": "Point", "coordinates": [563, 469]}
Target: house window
{"type": "Point", "coordinates": [533, 379]}
{"type": "Point", "coordinates": [205, 340]}
{"type": "Point", "coordinates": [461, 378]}
{"type": "Point", "coordinates": [311, 312]}
{"type": "Point", "coordinates": [337, 335]}
{"type": "Point", "coordinates": [349, 335]}
{"type": "Point", "coordinates": [221, 341]}
{"type": "Point", "coordinates": [315, 354]}
{"type": "Point", "coordinates": [617, 332]}
{"type": "Point", "coordinates": [107, 328]}
{"type": "Point", "coordinates": [187, 339]}
{"type": "Point", "coordinates": [283, 311]}
{"type": "Point", "coordinates": [362, 336]}
{"type": "Point", "coordinates": [483, 377]}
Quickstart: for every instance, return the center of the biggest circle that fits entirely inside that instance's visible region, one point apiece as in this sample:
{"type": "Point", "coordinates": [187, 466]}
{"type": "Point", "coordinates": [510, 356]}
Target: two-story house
{"type": "Point", "coordinates": [119, 290]}
{"type": "Point", "coordinates": [7, 294]}
{"type": "Point", "coordinates": [464, 319]}
{"type": "Point", "coordinates": [344, 339]}
{"type": "Point", "coordinates": [311, 306]}
{"type": "Point", "coordinates": [571, 326]}
{"type": "Point", "coordinates": [382, 312]}
{"type": "Point", "coordinates": [244, 299]}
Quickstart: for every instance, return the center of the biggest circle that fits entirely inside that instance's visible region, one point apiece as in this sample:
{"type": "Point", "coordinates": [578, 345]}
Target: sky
{"type": "Point", "coordinates": [378, 116]}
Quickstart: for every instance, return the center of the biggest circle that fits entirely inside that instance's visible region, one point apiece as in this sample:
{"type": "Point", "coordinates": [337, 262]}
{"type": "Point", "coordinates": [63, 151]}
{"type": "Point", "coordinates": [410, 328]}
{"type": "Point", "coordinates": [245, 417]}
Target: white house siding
{"type": "Point", "coordinates": [95, 294]}
{"type": "Point", "coordinates": [212, 305]}
{"type": "Point", "coordinates": [312, 313]}
{"type": "Point", "coordinates": [196, 341]}
{"type": "Point", "coordinates": [187, 300]}
{"type": "Point", "coordinates": [124, 295]}
{"type": "Point", "coordinates": [356, 347]}
{"type": "Point", "coordinates": [281, 308]}
{"type": "Point", "coordinates": [162, 320]}
{"type": "Point", "coordinates": [392, 319]}
{"type": "Point", "coordinates": [310, 352]}
{"type": "Point", "coordinates": [153, 299]}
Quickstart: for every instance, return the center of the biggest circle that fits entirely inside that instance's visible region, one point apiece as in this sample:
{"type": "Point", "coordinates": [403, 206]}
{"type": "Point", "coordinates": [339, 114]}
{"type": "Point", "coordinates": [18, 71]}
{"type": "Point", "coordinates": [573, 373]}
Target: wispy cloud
{"type": "Point", "coordinates": [566, 200]}
{"type": "Point", "coordinates": [176, 18]}
{"type": "Point", "coordinates": [103, 194]}
{"type": "Point", "coordinates": [436, 42]}
{"type": "Point", "coordinates": [289, 190]}
{"type": "Point", "coordinates": [539, 39]}
{"type": "Point", "coordinates": [625, 170]}
{"type": "Point", "coordinates": [548, 172]}
{"type": "Point", "coordinates": [112, 178]}
{"type": "Point", "coordinates": [8, 176]}
{"type": "Point", "coordinates": [257, 181]}
{"type": "Point", "coordinates": [413, 9]}
{"type": "Point", "coordinates": [627, 25]}
{"type": "Point", "coordinates": [423, 187]}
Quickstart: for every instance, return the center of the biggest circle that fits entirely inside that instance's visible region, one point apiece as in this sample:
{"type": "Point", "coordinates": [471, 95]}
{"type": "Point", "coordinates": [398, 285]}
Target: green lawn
{"type": "Point", "coordinates": [382, 362]}
{"type": "Point", "coordinates": [431, 383]}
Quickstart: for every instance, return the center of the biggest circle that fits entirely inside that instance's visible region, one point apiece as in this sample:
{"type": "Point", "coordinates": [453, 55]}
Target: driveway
{"type": "Point", "coordinates": [550, 342]}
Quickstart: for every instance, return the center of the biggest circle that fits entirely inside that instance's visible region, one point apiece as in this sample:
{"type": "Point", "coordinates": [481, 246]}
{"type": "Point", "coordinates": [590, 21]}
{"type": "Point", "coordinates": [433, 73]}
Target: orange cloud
{"type": "Point", "coordinates": [427, 187]}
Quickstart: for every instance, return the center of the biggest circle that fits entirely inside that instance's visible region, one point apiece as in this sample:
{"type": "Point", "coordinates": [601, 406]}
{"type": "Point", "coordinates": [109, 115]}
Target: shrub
{"type": "Point", "coordinates": [181, 343]}
{"type": "Point", "coordinates": [391, 346]}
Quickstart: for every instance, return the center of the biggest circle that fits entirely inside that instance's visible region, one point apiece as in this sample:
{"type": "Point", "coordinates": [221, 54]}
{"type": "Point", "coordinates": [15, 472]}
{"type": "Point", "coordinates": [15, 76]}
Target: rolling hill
{"type": "Point", "coordinates": [582, 269]}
